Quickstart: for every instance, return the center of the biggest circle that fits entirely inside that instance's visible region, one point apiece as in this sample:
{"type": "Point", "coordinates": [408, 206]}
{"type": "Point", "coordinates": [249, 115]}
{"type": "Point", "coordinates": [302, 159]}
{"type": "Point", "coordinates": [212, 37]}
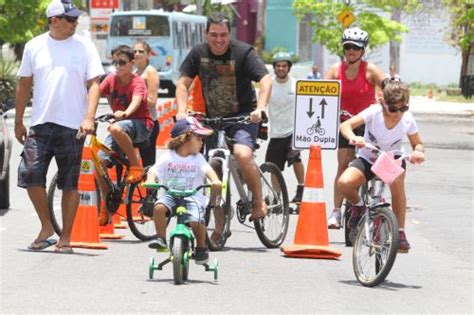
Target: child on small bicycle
{"type": "Point", "coordinates": [385, 126]}
{"type": "Point", "coordinates": [183, 167]}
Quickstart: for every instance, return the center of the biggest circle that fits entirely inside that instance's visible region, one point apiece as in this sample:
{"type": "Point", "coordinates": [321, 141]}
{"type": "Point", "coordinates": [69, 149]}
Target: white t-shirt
{"type": "Point", "coordinates": [281, 108]}
{"type": "Point", "coordinates": [181, 173]}
{"type": "Point", "coordinates": [60, 70]}
{"type": "Point", "coordinates": [377, 134]}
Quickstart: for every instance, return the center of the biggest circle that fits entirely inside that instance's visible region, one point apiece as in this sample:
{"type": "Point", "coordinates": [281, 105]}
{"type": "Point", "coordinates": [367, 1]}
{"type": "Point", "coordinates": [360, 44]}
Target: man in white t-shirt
{"type": "Point", "coordinates": [281, 108]}
{"type": "Point", "coordinates": [65, 70]}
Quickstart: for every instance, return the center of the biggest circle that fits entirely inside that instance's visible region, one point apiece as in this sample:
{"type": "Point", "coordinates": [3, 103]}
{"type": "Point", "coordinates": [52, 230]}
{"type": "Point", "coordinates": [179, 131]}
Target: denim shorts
{"type": "Point", "coordinates": [136, 129]}
{"type": "Point", "coordinates": [195, 209]}
{"type": "Point", "coordinates": [44, 142]}
{"type": "Point", "coordinates": [245, 134]}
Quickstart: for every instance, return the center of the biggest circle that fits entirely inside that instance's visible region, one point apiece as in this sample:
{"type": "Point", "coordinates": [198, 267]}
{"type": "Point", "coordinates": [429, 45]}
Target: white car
{"type": "Point", "coordinates": [5, 152]}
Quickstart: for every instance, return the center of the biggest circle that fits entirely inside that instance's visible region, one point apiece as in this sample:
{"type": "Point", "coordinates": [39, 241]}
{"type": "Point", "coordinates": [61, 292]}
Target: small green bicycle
{"type": "Point", "coordinates": [181, 239]}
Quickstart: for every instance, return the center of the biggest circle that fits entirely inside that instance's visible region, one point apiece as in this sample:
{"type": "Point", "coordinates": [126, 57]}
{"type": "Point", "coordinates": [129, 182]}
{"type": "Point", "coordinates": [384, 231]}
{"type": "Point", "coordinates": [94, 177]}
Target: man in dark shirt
{"type": "Point", "coordinates": [227, 68]}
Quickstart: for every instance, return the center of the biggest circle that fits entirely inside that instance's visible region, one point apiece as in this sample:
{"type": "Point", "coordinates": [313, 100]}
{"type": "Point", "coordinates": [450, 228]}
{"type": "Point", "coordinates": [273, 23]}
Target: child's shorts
{"type": "Point", "coordinates": [194, 206]}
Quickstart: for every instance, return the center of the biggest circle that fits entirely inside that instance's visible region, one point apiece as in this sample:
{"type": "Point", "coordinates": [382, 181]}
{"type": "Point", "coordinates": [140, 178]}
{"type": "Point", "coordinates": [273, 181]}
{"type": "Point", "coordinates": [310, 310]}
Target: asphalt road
{"type": "Point", "coordinates": [435, 277]}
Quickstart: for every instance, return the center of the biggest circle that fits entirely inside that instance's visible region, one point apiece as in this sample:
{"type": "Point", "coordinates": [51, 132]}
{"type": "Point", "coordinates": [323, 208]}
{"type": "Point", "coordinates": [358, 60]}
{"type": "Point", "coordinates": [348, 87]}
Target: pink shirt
{"type": "Point", "coordinates": [357, 94]}
{"type": "Point", "coordinates": [121, 96]}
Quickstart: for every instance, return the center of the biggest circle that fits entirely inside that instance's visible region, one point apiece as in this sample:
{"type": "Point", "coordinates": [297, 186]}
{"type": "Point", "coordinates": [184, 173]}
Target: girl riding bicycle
{"type": "Point", "coordinates": [385, 125]}
{"type": "Point", "coordinates": [183, 167]}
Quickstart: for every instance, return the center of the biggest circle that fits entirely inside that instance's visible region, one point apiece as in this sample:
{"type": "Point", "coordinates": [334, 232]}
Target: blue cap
{"type": "Point", "coordinates": [188, 124]}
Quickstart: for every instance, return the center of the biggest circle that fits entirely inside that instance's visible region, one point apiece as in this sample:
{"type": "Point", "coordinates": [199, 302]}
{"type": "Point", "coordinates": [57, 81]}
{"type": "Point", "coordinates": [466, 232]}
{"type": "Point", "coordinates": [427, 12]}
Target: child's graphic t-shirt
{"type": "Point", "coordinates": [182, 173]}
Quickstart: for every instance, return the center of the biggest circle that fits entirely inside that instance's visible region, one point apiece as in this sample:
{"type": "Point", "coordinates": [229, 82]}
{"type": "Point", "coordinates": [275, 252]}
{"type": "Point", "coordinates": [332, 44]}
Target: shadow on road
{"type": "Point", "coordinates": [387, 285]}
{"type": "Point", "coordinates": [76, 253]}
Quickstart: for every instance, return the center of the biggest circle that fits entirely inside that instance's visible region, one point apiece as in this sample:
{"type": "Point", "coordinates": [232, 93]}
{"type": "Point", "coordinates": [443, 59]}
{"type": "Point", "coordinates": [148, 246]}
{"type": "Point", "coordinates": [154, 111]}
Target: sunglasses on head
{"type": "Point", "coordinates": [70, 19]}
{"type": "Point", "coordinates": [120, 62]}
{"type": "Point", "coordinates": [352, 46]}
{"type": "Point", "coordinates": [394, 109]}
{"type": "Point", "coordinates": [138, 51]}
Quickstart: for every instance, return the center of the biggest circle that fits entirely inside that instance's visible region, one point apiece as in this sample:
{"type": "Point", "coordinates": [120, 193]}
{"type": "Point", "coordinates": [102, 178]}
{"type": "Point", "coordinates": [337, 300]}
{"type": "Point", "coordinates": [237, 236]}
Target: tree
{"type": "Point", "coordinates": [461, 33]}
{"type": "Point", "coordinates": [21, 20]}
{"type": "Point", "coordinates": [328, 30]}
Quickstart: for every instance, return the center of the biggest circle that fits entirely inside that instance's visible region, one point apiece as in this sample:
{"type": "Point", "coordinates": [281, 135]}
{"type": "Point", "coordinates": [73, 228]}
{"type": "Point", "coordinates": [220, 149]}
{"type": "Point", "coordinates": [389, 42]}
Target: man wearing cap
{"type": "Point", "coordinates": [65, 70]}
{"type": "Point", "coordinates": [227, 68]}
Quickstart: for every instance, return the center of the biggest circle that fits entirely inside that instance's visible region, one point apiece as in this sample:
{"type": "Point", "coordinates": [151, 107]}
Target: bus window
{"type": "Point", "coordinates": [139, 25]}
{"type": "Point", "coordinates": [175, 35]}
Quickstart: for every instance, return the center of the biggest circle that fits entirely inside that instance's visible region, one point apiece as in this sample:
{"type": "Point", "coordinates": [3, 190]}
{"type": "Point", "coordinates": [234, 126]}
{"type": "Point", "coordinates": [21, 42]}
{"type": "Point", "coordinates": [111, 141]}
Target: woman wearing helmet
{"type": "Point", "coordinates": [358, 80]}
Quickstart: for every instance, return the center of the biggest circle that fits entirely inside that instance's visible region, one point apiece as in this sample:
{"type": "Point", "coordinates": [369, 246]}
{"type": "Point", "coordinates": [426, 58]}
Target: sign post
{"type": "Point", "coordinates": [317, 114]}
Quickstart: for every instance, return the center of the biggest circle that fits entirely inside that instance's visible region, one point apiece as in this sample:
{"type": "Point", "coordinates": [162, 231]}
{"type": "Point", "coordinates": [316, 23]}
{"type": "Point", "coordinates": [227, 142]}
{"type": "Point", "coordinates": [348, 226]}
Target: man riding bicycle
{"type": "Point", "coordinates": [227, 68]}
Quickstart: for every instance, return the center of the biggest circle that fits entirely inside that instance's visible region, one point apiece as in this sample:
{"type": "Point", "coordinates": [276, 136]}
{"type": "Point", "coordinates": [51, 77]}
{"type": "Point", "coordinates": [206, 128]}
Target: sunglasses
{"type": "Point", "coordinates": [138, 51]}
{"type": "Point", "coordinates": [120, 62]}
{"type": "Point", "coordinates": [394, 109]}
{"type": "Point", "coordinates": [352, 46]}
{"type": "Point", "coordinates": [69, 19]}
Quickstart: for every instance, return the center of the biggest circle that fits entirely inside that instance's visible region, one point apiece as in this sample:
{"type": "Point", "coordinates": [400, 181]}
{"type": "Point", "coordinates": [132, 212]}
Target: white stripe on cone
{"type": "Point", "coordinates": [313, 194]}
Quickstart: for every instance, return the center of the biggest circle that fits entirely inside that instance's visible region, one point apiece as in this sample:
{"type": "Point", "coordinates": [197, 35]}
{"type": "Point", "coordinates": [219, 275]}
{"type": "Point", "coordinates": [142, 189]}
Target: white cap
{"type": "Point", "coordinates": [62, 7]}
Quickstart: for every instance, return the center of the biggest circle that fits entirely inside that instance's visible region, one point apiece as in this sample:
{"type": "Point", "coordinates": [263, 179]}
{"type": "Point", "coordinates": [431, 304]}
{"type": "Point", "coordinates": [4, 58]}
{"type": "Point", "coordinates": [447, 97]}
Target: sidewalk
{"type": "Point", "coordinates": [425, 105]}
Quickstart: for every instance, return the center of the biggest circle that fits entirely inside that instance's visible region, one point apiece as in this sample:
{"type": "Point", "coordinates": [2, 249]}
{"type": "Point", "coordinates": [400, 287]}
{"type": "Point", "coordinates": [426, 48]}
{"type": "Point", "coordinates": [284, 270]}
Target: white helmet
{"type": "Point", "coordinates": [355, 36]}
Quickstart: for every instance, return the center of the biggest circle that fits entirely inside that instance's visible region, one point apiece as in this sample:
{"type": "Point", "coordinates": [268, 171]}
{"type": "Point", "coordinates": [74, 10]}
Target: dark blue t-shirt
{"type": "Point", "coordinates": [226, 79]}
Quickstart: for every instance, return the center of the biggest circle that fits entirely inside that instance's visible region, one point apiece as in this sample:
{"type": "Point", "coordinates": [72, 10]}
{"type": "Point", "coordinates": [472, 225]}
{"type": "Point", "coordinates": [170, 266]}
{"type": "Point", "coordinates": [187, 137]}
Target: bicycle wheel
{"type": "Point", "coordinates": [375, 247]}
{"type": "Point", "coordinates": [139, 220]}
{"type": "Point", "coordinates": [180, 267]}
{"type": "Point", "coordinates": [272, 229]}
{"type": "Point", "coordinates": [55, 196]}
{"type": "Point", "coordinates": [218, 219]}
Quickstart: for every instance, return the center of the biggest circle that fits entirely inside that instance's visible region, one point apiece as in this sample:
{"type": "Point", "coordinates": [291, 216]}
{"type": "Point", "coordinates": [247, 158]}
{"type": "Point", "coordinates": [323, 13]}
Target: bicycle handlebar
{"type": "Point", "coordinates": [244, 119]}
{"type": "Point", "coordinates": [175, 192]}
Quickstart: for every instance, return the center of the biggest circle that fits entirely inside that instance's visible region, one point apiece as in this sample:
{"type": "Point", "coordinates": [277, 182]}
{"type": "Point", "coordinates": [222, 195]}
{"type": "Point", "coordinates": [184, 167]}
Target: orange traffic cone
{"type": "Point", "coordinates": [311, 237]}
{"type": "Point", "coordinates": [85, 230]}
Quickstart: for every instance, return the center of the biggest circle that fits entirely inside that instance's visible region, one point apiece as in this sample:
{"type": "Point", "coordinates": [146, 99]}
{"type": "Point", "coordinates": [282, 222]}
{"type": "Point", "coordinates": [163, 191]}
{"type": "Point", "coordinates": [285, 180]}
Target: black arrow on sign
{"type": "Point", "coordinates": [310, 112]}
{"type": "Point", "coordinates": [322, 104]}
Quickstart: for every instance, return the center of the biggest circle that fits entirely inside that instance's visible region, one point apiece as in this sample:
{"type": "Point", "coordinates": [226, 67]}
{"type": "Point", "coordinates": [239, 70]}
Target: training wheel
{"type": "Point", "coordinates": [216, 264]}
{"type": "Point", "coordinates": [151, 267]}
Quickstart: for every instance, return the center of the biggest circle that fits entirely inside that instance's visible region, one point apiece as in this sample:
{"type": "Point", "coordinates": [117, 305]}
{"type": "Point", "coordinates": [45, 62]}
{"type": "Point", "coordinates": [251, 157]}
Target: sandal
{"type": "Point", "coordinates": [63, 249]}
{"type": "Point", "coordinates": [135, 174]}
{"type": "Point", "coordinates": [260, 214]}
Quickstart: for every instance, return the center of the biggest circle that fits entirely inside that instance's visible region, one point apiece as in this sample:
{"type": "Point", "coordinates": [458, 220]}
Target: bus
{"type": "Point", "coordinates": [169, 34]}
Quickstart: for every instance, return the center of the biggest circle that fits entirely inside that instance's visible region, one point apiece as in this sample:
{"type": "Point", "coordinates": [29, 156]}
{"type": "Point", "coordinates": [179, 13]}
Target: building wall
{"type": "Point", "coordinates": [281, 26]}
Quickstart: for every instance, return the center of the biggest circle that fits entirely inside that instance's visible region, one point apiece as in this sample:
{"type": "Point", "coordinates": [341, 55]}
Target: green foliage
{"type": "Point", "coordinates": [462, 22]}
{"type": "Point", "coordinates": [8, 70]}
{"type": "Point", "coordinates": [328, 30]}
{"type": "Point", "coordinates": [208, 7]}
{"type": "Point", "coordinates": [267, 56]}
{"type": "Point", "coordinates": [21, 20]}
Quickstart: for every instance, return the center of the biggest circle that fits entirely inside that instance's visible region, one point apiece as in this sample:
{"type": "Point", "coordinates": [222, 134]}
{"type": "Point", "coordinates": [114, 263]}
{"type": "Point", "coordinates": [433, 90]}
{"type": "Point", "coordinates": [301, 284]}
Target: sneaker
{"type": "Point", "coordinates": [356, 213]}
{"type": "Point", "coordinates": [201, 255]}
{"type": "Point", "coordinates": [299, 194]}
{"type": "Point", "coordinates": [403, 245]}
{"type": "Point", "coordinates": [159, 244]}
{"type": "Point", "coordinates": [334, 221]}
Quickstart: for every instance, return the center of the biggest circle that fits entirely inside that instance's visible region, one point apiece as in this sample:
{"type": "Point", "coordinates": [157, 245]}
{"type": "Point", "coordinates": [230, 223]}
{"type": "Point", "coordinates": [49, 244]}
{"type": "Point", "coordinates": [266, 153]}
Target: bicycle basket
{"type": "Point", "coordinates": [387, 168]}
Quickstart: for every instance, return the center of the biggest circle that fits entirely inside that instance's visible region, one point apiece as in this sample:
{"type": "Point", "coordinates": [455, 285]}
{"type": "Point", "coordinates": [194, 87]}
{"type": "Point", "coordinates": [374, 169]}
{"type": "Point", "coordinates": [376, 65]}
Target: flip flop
{"type": "Point", "coordinates": [135, 174]}
{"type": "Point", "coordinates": [40, 245]}
{"type": "Point", "coordinates": [63, 249]}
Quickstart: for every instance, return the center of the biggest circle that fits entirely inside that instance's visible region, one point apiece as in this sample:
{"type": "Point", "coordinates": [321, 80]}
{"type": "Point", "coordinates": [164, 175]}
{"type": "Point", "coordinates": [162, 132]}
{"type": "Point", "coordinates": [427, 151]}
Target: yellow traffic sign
{"type": "Point", "coordinates": [346, 17]}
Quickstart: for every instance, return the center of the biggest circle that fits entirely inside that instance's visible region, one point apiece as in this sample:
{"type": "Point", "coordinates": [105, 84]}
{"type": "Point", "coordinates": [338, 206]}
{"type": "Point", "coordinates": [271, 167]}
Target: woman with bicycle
{"type": "Point", "coordinates": [358, 81]}
{"type": "Point", "coordinates": [385, 126]}
{"type": "Point", "coordinates": [183, 167]}
{"type": "Point", "coordinates": [143, 68]}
